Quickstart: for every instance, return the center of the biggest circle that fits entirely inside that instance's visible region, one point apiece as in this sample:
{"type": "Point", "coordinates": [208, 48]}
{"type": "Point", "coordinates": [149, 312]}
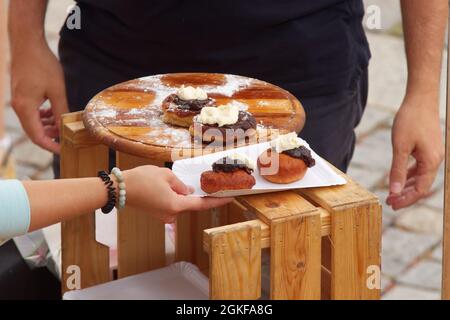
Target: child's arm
{"type": "Point", "coordinates": [149, 188]}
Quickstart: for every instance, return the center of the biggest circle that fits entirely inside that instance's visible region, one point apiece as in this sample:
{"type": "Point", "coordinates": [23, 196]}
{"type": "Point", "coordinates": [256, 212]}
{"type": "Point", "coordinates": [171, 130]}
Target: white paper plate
{"type": "Point", "coordinates": [189, 171]}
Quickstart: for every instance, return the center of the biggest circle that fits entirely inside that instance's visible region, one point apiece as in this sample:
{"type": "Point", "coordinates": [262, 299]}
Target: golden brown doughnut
{"type": "Point", "coordinates": [212, 182]}
{"type": "Point", "coordinates": [210, 134]}
{"type": "Point", "coordinates": [280, 168]}
{"type": "Point", "coordinates": [176, 115]}
{"type": "Point", "coordinates": [245, 128]}
{"type": "Point", "coordinates": [175, 119]}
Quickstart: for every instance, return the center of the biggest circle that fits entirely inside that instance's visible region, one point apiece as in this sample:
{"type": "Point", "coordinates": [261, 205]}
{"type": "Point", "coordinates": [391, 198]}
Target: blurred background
{"type": "Point", "coordinates": [411, 261]}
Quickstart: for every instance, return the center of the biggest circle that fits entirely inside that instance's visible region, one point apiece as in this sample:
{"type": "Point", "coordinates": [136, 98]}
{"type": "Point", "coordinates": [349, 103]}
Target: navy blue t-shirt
{"type": "Point", "coordinates": [310, 47]}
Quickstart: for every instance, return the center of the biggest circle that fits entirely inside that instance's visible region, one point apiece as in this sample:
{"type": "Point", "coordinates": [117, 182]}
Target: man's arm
{"type": "Point", "coordinates": [26, 22]}
{"type": "Point", "coordinates": [416, 131]}
{"type": "Point", "coordinates": [36, 74]}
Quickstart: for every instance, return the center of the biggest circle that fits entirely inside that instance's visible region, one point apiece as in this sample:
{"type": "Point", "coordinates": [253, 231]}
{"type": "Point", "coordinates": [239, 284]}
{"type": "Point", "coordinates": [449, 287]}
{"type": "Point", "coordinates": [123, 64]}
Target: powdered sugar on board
{"type": "Point", "coordinates": [132, 110]}
{"type": "Point", "coordinates": [190, 170]}
{"type": "Point", "coordinates": [232, 84]}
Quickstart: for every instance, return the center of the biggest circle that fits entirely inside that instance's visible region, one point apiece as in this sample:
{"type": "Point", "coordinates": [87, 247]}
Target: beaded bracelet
{"type": "Point", "coordinates": [122, 187]}
{"type": "Point", "coordinates": [111, 192]}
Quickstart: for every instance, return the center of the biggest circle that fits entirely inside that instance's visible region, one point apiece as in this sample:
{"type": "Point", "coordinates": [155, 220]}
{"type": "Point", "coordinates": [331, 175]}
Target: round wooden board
{"type": "Point", "coordinates": [127, 116]}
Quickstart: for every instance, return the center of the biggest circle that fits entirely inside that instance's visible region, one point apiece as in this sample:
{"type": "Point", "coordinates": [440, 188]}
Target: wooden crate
{"type": "Point", "coordinates": [324, 242]}
{"type": "Point", "coordinates": [7, 167]}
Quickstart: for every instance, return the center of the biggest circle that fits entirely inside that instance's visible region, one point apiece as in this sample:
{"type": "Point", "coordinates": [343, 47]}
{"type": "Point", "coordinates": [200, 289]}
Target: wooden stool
{"type": "Point", "coordinates": [324, 242]}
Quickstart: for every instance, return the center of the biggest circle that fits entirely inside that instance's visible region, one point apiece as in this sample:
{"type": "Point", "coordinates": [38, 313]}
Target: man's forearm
{"type": "Point", "coordinates": [26, 22]}
{"type": "Point", "coordinates": [424, 25]}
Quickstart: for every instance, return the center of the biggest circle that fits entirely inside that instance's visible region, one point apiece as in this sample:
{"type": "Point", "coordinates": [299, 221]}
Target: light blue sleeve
{"type": "Point", "coordinates": [14, 209]}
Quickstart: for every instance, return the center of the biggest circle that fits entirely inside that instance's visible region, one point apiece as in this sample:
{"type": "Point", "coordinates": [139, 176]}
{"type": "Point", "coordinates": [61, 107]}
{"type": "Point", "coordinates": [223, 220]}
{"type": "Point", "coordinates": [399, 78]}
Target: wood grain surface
{"type": "Point", "coordinates": [140, 242]}
{"type": "Point", "coordinates": [235, 262]}
{"type": "Point", "coordinates": [79, 247]}
{"type": "Point", "coordinates": [127, 116]}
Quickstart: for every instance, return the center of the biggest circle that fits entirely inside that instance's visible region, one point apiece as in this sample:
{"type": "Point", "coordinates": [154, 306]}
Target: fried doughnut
{"type": "Point", "coordinates": [181, 112]}
{"type": "Point", "coordinates": [212, 182]}
{"type": "Point", "coordinates": [233, 172]}
{"type": "Point", "coordinates": [244, 128]}
{"type": "Point", "coordinates": [283, 168]}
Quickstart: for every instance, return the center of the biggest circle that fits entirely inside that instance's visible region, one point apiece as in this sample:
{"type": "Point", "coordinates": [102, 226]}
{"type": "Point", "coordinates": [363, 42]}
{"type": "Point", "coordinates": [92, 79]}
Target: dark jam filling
{"type": "Point", "coordinates": [229, 165]}
{"type": "Point", "coordinates": [302, 153]}
{"type": "Point", "coordinates": [245, 121]}
{"type": "Point", "coordinates": [192, 105]}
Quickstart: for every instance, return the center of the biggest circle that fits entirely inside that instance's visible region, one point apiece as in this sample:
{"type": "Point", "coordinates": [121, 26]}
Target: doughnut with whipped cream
{"type": "Point", "coordinates": [233, 172]}
{"type": "Point", "coordinates": [225, 123]}
{"type": "Point", "coordinates": [286, 161]}
{"type": "Point", "coordinates": [180, 108]}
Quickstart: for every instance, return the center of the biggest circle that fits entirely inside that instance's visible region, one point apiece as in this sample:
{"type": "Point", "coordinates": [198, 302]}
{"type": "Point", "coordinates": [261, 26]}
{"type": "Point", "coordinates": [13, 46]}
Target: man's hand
{"type": "Point", "coordinates": [37, 76]}
{"type": "Point", "coordinates": [417, 133]}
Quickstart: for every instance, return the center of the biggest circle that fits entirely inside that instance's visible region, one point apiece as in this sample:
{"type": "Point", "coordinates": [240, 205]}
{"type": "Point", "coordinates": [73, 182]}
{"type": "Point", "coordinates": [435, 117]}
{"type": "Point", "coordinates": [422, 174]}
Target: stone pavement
{"type": "Point", "coordinates": [411, 257]}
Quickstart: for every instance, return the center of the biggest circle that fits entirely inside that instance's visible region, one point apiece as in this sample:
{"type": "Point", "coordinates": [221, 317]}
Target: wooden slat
{"type": "Point", "coordinates": [183, 238]}
{"type": "Point", "coordinates": [325, 222]}
{"type": "Point", "coordinates": [325, 219]}
{"type": "Point", "coordinates": [325, 285]}
{"type": "Point", "coordinates": [200, 221]}
{"type": "Point", "coordinates": [329, 198]}
{"type": "Point", "coordinates": [189, 243]}
{"type": "Point", "coordinates": [8, 171]}
{"type": "Point", "coordinates": [326, 268]}
{"type": "Point", "coordinates": [276, 205]}
{"type": "Point", "coordinates": [355, 236]}
{"type": "Point", "coordinates": [265, 232]}
{"type": "Point", "coordinates": [208, 219]}
{"type": "Point", "coordinates": [141, 237]}
{"type": "Point", "coordinates": [236, 213]}
{"type": "Point", "coordinates": [295, 266]}
{"type": "Point", "coordinates": [295, 228]}
{"type": "Point", "coordinates": [77, 134]}
{"type": "Point", "coordinates": [79, 247]}
{"type": "Point", "coordinates": [72, 117]}
{"type": "Point", "coordinates": [356, 245]}
{"type": "Point", "coordinates": [235, 262]}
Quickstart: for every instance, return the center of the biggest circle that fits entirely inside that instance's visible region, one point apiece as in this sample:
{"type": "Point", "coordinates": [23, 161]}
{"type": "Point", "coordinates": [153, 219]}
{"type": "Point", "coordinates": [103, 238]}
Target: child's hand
{"type": "Point", "coordinates": [162, 194]}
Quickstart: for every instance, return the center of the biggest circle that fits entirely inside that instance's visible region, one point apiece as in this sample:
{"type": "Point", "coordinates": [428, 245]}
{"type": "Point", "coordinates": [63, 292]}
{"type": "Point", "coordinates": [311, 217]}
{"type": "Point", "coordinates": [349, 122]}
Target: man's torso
{"type": "Point", "coordinates": [313, 47]}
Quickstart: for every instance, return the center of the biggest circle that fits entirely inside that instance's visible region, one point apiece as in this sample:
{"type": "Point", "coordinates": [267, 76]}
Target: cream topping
{"type": "Point", "coordinates": [285, 142]}
{"type": "Point", "coordinates": [191, 93]}
{"type": "Point", "coordinates": [227, 114]}
{"type": "Point", "coordinates": [244, 159]}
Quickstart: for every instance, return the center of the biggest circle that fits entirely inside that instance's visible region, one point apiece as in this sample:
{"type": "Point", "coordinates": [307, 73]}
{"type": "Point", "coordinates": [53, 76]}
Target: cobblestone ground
{"type": "Point", "coordinates": [412, 237]}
